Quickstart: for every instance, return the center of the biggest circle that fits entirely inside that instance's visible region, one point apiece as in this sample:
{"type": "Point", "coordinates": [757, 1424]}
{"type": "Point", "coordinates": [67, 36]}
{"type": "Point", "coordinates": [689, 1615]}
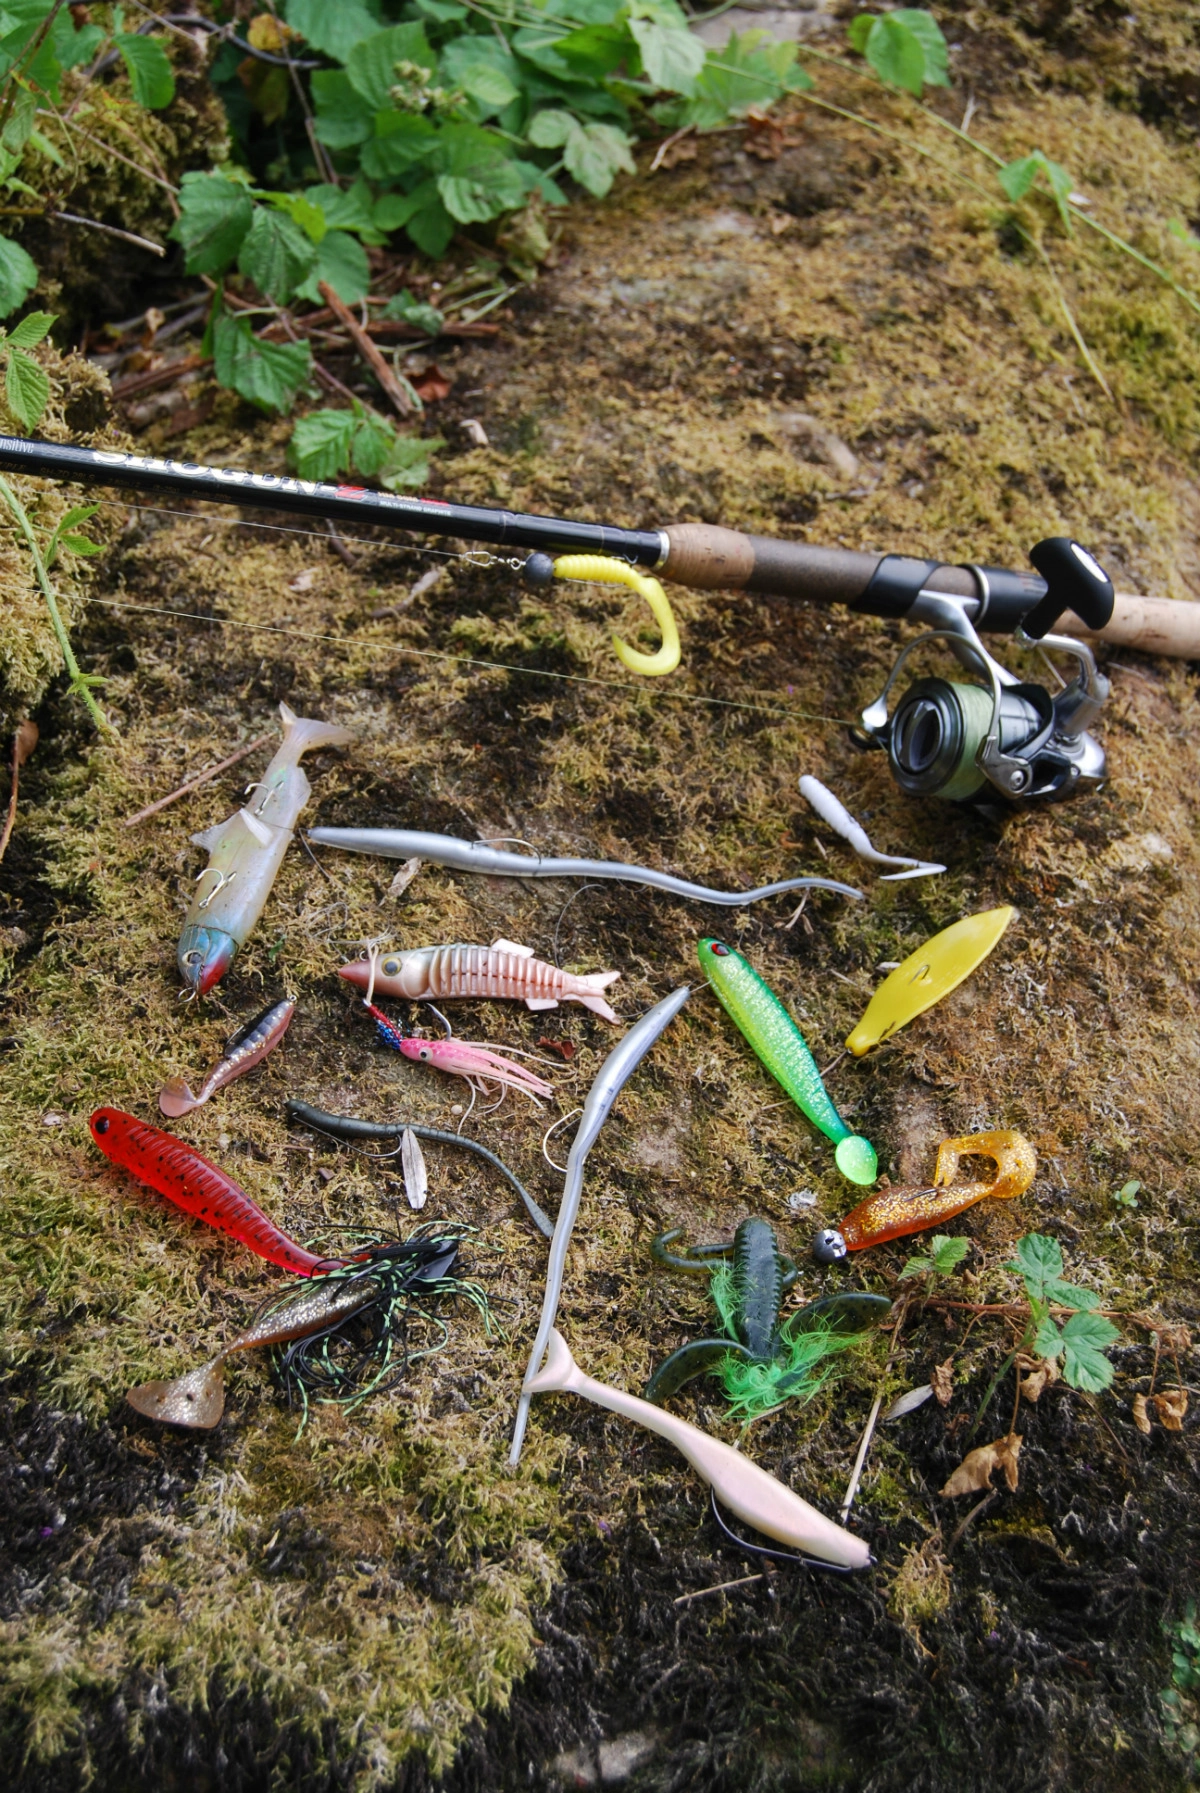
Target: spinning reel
{"type": "Point", "coordinates": [954, 740]}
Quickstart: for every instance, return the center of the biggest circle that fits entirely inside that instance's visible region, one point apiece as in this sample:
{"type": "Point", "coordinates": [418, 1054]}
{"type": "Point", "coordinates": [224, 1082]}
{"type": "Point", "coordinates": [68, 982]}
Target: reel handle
{"type": "Point", "coordinates": [1075, 580]}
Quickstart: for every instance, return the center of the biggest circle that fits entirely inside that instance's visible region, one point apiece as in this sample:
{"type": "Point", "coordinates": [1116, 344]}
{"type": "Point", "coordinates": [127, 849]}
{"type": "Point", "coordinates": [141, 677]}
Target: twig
{"type": "Point", "coordinates": [370, 353]}
{"type": "Point", "coordinates": [200, 778]}
{"type": "Point", "coordinates": [864, 1446]}
{"type": "Point", "coordinates": [110, 230]}
{"type": "Point", "coordinates": [719, 1587]}
{"type": "Point", "coordinates": [338, 545]}
{"type": "Point", "coordinates": [331, 382]}
{"type": "Point", "coordinates": [960, 1529]}
{"type": "Point", "coordinates": [25, 739]}
{"type": "Point", "coordinates": [159, 376]}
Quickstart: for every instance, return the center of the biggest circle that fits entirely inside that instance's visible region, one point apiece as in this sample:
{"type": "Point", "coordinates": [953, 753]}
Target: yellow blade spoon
{"type": "Point", "coordinates": [929, 974]}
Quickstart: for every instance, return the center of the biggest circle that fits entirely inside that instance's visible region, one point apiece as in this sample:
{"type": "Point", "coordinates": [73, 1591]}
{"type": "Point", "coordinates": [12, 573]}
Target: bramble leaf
{"type": "Point", "coordinates": [1039, 1261]}
{"type": "Point", "coordinates": [149, 70]}
{"type": "Point", "coordinates": [268, 374]}
{"type": "Point", "coordinates": [425, 317]}
{"type": "Point", "coordinates": [214, 216]}
{"type": "Point", "coordinates": [18, 276]}
{"type": "Point", "coordinates": [277, 255]}
{"type": "Point", "coordinates": [671, 56]}
{"type": "Point", "coordinates": [26, 388]}
{"type": "Point", "coordinates": [1018, 177]}
{"type": "Point", "coordinates": [332, 29]}
{"type": "Point", "coordinates": [30, 331]}
{"type": "Point", "coordinates": [1085, 1339]}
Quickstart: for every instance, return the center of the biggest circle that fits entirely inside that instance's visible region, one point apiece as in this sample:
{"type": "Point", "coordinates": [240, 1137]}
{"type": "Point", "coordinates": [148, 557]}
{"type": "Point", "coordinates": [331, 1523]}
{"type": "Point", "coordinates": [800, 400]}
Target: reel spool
{"type": "Point", "coordinates": [954, 740]}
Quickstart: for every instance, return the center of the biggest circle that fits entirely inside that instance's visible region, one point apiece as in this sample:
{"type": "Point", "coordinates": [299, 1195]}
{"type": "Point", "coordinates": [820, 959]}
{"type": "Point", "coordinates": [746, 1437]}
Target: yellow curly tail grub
{"type": "Point", "coordinates": [604, 571]}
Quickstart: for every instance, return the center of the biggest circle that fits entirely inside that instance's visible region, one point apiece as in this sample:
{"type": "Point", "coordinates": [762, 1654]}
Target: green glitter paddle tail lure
{"type": "Point", "coordinates": [757, 1012]}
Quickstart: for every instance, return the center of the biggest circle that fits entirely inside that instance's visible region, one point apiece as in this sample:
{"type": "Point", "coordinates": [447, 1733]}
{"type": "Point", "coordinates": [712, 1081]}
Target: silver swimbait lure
{"type": "Point", "coordinates": [476, 856]}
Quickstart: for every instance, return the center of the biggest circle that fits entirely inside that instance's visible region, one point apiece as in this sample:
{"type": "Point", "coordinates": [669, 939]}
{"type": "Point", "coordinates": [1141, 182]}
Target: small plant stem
{"type": "Point", "coordinates": [869, 1428]}
{"type": "Point", "coordinates": [1080, 344]}
{"type": "Point", "coordinates": [1025, 1340]}
{"type": "Point", "coordinates": [77, 678]}
{"type": "Point", "coordinates": [27, 56]}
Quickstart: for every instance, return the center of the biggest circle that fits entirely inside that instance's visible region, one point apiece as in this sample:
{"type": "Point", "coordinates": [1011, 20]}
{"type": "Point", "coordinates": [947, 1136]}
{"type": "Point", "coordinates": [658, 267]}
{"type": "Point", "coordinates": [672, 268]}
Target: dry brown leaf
{"type": "Point", "coordinates": [974, 1473]}
{"type": "Point", "coordinates": [1175, 1338]}
{"type": "Point", "coordinates": [1141, 1418]}
{"type": "Point", "coordinates": [941, 1381]}
{"type": "Point", "coordinates": [1171, 1408]}
{"type": "Point", "coordinates": [1043, 1372]}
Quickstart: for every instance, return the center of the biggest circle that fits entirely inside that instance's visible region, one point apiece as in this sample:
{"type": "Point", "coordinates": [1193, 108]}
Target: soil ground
{"type": "Point", "coordinates": [377, 1602]}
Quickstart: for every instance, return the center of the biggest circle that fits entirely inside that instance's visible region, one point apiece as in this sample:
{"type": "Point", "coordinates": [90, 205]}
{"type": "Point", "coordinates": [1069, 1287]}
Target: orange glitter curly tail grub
{"type": "Point", "coordinates": [898, 1209]}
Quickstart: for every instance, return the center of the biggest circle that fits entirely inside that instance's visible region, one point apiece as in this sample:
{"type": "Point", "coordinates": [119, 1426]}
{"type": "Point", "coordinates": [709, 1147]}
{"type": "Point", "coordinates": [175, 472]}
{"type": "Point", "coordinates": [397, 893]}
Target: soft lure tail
{"type": "Point", "coordinates": [755, 1496]}
{"type": "Point", "coordinates": [247, 852]}
{"type": "Point", "coordinates": [831, 809]}
{"type": "Point", "coordinates": [895, 1211]}
{"type": "Point", "coordinates": [757, 1012]}
{"type": "Point", "coordinates": [199, 1187]}
{"type": "Point", "coordinates": [477, 856]}
{"type": "Point", "coordinates": [248, 1047]}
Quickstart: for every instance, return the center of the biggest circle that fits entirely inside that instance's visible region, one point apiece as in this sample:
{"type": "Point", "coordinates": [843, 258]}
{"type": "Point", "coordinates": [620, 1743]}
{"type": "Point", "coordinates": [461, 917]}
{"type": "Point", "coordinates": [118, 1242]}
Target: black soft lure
{"type": "Point", "coordinates": [761, 1362]}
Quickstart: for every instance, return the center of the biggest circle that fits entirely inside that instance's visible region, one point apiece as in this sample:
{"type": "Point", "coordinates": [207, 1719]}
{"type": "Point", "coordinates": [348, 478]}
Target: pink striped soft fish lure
{"type": "Point", "coordinates": [502, 970]}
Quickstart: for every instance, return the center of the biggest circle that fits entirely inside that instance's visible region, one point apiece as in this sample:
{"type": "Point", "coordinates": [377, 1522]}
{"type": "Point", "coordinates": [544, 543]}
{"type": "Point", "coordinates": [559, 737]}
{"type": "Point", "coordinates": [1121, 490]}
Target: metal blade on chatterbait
{"type": "Point", "coordinates": [412, 1163]}
{"type": "Point", "coordinates": [929, 974]}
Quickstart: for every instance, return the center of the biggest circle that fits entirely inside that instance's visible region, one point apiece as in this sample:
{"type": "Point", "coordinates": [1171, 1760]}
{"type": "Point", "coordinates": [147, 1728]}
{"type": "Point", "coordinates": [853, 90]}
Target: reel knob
{"type": "Point", "coordinates": [1075, 580]}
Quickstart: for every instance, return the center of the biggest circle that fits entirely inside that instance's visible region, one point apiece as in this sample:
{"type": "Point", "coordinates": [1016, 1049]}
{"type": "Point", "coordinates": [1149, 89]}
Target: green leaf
{"type": "Point", "coordinates": [489, 190]}
{"type": "Point", "coordinates": [334, 29]}
{"type": "Point", "coordinates": [1018, 177]}
{"type": "Point", "coordinates": [149, 71]}
{"type": "Point", "coordinates": [1180, 230]}
{"type": "Point", "coordinates": [78, 514]}
{"type": "Point", "coordinates": [26, 388]}
{"type": "Point", "coordinates": [372, 443]}
{"type": "Point", "coordinates": [276, 255]}
{"type": "Point", "coordinates": [1047, 1340]}
{"type": "Point", "coordinates": [442, 12]}
{"type": "Point", "coordinates": [859, 30]}
{"type": "Point", "coordinates": [413, 311]}
{"type": "Point", "coordinates": [343, 118]}
{"type": "Point", "coordinates": [1085, 1339]}
{"type": "Point", "coordinates": [948, 1253]}
{"type": "Point", "coordinates": [928, 34]}
{"type": "Point", "coordinates": [484, 69]}
{"type": "Point", "coordinates": [371, 64]}
{"type": "Point", "coordinates": [1065, 1294]}
{"type": "Point", "coordinates": [551, 128]}
{"type": "Point", "coordinates": [896, 55]}
{"type": "Point", "coordinates": [1039, 1261]}
{"type": "Point", "coordinates": [30, 331]}
{"type": "Point", "coordinates": [345, 208]}
{"type": "Point", "coordinates": [80, 544]}
{"type": "Point", "coordinates": [595, 154]}
{"type": "Point", "coordinates": [407, 466]}
{"type": "Point", "coordinates": [671, 56]}
{"type": "Point", "coordinates": [268, 374]}
{"type": "Point", "coordinates": [1127, 1194]}
{"type": "Point", "coordinates": [918, 1266]}
{"type": "Point", "coordinates": [214, 216]}
{"type": "Point", "coordinates": [320, 444]}
{"type": "Point", "coordinates": [18, 276]}
{"type": "Point", "coordinates": [405, 140]}
{"type": "Point", "coordinates": [594, 52]}
{"type": "Point", "coordinates": [752, 70]}
{"type": "Point", "coordinates": [342, 263]}
{"type": "Point", "coordinates": [427, 221]}
{"type": "Point", "coordinates": [301, 210]}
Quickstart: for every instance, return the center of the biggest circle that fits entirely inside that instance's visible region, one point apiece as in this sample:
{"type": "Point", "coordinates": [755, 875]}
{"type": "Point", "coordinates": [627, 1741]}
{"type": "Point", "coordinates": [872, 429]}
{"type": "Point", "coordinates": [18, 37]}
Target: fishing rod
{"type": "Point", "coordinates": [960, 741]}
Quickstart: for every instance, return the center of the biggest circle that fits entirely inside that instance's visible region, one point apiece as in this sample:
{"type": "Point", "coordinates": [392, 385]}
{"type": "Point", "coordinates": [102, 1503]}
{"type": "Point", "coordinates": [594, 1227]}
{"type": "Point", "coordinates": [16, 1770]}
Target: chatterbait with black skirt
{"type": "Point", "coordinates": [897, 1210]}
{"type": "Point", "coordinates": [477, 856]}
{"type": "Point", "coordinates": [761, 1362]}
{"type": "Point", "coordinates": [247, 852]}
{"type": "Point", "coordinates": [201, 1188]}
{"type": "Point", "coordinates": [757, 1012]}
{"type": "Point", "coordinates": [755, 1496]}
{"type": "Point", "coordinates": [248, 1047]}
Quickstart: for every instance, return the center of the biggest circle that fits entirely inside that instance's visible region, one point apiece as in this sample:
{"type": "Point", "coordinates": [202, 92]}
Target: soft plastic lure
{"type": "Point", "coordinates": [895, 1211]}
{"type": "Point", "coordinates": [929, 974]}
{"type": "Point", "coordinates": [600, 569]}
{"type": "Point", "coordinates": [504, 969]}
{"type": "Point", "coordinates": [199, 1187]}
{"type": "Point", "coordinates": [461, 1058]}
{"type": "Point", "coordinates": [611, 1078]}
{"type": "Point", "coordinates": [248, 1047]}
{"type": "Point", "coordinates": [247, 852]}
{"type": "Point", "coordinates": [831, 809]}
{"type": "Point", "coordinates": [757, 1012]}
{"type": "Point", "coordinates": [750, 1492]}
{"type": "Point", "coordinates": [478, 856]}
{"type": "Point", "coordinates": [761, 1362]}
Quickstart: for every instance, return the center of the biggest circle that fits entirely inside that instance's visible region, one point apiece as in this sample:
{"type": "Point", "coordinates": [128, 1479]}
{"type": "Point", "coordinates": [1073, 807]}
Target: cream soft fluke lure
{"type": "Point", "coordinates": [247, 852]}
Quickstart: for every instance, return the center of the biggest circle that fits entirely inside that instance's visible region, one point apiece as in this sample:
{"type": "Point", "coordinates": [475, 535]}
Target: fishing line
{"type": "Point", "coordinates": [316, 535]}
{"type": "Point", "coordinates": [533, 672]}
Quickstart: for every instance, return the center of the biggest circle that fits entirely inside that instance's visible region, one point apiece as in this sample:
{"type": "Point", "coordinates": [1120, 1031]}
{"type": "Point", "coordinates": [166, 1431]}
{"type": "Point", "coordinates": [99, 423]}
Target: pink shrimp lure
{"type": "Point", "coordinates": [462, 1058]}
{"type": "Point", "coordinates": [504, 969]}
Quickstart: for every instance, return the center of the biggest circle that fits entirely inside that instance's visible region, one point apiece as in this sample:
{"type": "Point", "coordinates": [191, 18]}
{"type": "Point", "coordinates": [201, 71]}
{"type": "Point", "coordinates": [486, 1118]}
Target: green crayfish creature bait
{"type": "Point", "coordinates": [761, 1362]}
{"type": "Point", "coordinates": [757, 1012]}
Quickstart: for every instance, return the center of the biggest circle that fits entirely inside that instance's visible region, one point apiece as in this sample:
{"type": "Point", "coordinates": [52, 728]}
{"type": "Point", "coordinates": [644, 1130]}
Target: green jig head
{"type": "Point", "coordinates": [757, 1012]}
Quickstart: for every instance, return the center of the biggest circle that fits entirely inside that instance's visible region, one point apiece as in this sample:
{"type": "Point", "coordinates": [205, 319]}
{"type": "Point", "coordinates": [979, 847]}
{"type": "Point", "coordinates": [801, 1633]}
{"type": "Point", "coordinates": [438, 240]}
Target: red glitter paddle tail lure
{"type": "Point", "coordinates": [201, 1188]}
